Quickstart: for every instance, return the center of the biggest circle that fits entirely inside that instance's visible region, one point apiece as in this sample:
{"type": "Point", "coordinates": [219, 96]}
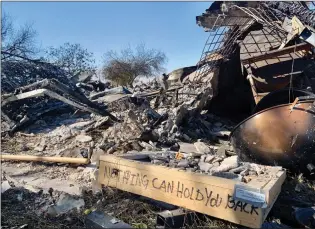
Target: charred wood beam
{"type": "Point", "coordinates": [275, 53]}
{"type": "Point", "coordinates": [41, 92]}
{"type": "Point", "coordinates": [54, 85]}
{"type": "Point", "coordinates": [282, 9]}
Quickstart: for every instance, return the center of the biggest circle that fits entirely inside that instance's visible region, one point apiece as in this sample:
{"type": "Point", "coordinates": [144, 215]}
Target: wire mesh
{"type": "Point", "coordinates": [226, 30]}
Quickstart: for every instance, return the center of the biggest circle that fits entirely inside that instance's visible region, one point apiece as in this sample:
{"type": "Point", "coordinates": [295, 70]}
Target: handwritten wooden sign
{"type": "Point", "coordinates": [202, 193]}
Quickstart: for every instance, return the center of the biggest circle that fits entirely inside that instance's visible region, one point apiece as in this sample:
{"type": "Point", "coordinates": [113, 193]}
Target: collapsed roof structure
{"type": "Point", "coordinates": [270, 46]}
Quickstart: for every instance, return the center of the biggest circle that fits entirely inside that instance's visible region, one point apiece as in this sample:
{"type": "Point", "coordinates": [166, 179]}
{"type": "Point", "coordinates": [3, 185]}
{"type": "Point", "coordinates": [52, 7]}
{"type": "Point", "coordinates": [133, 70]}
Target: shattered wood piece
{"type": "Point", "coordinates": [275, 53]}
{"type": "Point", "coordinates": [88, 106]}
{"type": "Point", "coordinates": [46, 159]}
{"type": "Point", "coordinates": [26, 135]}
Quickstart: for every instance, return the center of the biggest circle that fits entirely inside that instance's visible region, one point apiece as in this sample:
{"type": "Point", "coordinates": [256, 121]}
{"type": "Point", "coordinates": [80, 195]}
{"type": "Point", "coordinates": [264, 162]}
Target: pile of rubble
{"type": "Point", "coordinates": [217, 163]}
{"type": "Point", "coordinates": [199, 119]}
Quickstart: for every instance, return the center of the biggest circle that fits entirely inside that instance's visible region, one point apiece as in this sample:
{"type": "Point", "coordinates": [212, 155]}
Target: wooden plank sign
{"type": "Point", "coordinates": [202, 193]}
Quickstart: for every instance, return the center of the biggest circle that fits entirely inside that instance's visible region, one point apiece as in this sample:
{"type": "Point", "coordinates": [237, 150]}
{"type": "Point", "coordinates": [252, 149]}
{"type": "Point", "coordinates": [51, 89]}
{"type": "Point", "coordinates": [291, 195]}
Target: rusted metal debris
{"type": "Point", "coordinates": [278, 135]}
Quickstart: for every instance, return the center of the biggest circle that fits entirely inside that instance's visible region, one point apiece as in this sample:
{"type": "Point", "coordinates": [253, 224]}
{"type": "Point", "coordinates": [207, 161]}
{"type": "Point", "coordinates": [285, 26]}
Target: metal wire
{"type": "Point", "coordinates": [225, 32]}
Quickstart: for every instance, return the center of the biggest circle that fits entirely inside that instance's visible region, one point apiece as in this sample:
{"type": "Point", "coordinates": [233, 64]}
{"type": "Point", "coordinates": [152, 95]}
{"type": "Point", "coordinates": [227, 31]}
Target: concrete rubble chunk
{"type": "Point", "coordinates": [202, 148]}
{"type": "Point", "coordinates": [83, 138]}
{"type": "Point", "coordinates": [203, 158]}
{"type": "Point", "coordinates": [209, 158]}
{"type": "Point", "coordinates": [5, 186]}
{"type": "Point", "coordinates": [65, 204]}
{"type": "Point", "coordinates": [183, 164]}
{"type": "Point", "coordinates": [41, 146]}
{"type": "Point", "coordinates": [228, 164]}
{"type": "Point", "coordinates": [238, 169]}
{"type": "Point", "coordinates": [222, 151]}
{"type": "Point", "coordinates": [205, 167]}
{"type": "Point", "coordinates": [187, 147]}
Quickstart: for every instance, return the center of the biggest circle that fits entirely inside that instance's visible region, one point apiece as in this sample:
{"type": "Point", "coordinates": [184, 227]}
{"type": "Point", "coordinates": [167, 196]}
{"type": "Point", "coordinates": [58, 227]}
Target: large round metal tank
{"type": "Point", "coordinates": [277, 136]}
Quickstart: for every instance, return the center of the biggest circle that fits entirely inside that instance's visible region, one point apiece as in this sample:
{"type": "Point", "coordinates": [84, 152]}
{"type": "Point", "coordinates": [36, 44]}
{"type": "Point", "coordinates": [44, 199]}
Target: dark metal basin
{"type": "Point", "coordinates": [276, 136]}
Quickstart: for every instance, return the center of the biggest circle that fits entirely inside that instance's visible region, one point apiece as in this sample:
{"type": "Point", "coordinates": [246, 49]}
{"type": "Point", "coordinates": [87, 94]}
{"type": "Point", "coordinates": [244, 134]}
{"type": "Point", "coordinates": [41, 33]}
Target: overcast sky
{"type": "Point", "coordinates": [101, 26]}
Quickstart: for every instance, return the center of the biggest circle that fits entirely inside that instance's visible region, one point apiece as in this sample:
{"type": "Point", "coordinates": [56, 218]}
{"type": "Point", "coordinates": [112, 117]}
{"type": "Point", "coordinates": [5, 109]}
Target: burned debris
{"type": "Point", "coordinates": [276, 60]}
{"type": "Point", "coordinates": [238, 119]}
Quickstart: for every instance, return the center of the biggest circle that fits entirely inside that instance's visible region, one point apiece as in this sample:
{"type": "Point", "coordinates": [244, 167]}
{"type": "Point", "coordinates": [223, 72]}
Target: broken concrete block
{"type": "Point", "coordinates": [41, 146]}
{"type": "Point", "coordinates": [65, 204]}
{"type": "Point", "coordinates": [217, 159]}
{"type": "Point", "coordinates": [209, 158]}
{"type": "Point", "coordinates": [83, 138]}
{"type": "Point", "coordinates": [183, 164]}
{"type": "Point", "coordinates": [71, 152]}
{"type": "Point", "coordinates": [205, 167]}
{"type": "Point", "coordinates": [228, 164]}
{"type": "Point", "coordinates": [203, 158]}
{"type": "Point", "coordinates": [186, 147]}
{"type": "Point", "coordinates": [5, 186]}
{"type": "Point", "coordinates": [202, 148]}
{"type": "Point", "coordinates": [233, 160]}
{"type": "Point", "coordinates": [238, 169]}
{"type": "Point", "coordinates": [221, 151]}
